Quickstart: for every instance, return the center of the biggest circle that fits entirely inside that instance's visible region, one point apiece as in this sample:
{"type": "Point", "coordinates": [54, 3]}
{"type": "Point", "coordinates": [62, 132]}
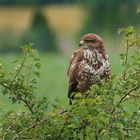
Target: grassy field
{"type": "Point", "coordinates": [53, 82]}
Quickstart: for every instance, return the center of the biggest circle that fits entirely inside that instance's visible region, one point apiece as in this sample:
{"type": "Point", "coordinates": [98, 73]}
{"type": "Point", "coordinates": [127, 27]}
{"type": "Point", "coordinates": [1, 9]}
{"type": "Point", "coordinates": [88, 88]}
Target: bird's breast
{"type": "Point", "coordinates": [92, 56]}
{"type": "Point", "coordinates": [92, 62]}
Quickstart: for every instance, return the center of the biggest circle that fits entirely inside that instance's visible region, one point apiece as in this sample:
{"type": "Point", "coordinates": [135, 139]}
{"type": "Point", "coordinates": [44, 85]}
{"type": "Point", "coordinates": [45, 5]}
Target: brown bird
{"type": "Point", "coordinates": [87, 64]}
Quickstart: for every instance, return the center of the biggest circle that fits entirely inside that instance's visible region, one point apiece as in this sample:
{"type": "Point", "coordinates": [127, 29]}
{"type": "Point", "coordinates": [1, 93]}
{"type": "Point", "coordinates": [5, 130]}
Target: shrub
{"type": "Point", "coordinates": [110, 110]}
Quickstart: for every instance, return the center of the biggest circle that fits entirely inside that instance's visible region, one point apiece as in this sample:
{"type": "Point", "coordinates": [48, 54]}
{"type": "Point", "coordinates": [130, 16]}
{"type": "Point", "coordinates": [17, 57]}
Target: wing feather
{"type": "Point", "coordinates": [72, 60]}
{"type": "Point", "coordinates": [73, 69]}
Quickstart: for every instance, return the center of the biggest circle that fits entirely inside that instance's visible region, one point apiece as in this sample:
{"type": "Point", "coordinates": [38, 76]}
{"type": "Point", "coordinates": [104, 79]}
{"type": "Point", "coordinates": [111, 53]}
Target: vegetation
{"type": "Point", "coordinates": [58, 23]}
{"type": "Point", "coordinates": [109, 110]}
{"type": "Point", "coordinates": [38, 31]}
{"type": "Point", "coordinates": [106, 17]}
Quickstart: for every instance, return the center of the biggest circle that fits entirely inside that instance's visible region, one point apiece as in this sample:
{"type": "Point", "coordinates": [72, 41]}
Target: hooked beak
{"type": "Point", "coordinates": [81, 43]}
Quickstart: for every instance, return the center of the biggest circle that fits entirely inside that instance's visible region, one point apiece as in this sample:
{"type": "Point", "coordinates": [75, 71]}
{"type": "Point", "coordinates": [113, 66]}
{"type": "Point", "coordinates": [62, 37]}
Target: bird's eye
{"type": "Point", "coordinates": [90, 41]}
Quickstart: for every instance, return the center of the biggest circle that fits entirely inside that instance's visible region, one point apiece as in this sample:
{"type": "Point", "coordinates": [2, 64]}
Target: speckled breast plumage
{"type": "Point", "coordinates": [91, 66]}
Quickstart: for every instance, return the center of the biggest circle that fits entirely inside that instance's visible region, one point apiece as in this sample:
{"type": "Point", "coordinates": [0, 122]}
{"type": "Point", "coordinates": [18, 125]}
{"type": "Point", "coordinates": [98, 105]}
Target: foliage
{"type": "Point", "coordinates": [110, 110]}
{"type": "Point", "coordinates": [106, 17]}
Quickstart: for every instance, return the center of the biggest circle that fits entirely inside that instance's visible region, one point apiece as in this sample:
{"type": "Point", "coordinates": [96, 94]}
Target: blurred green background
{"type": "Point", "coordinates": [55, 27]}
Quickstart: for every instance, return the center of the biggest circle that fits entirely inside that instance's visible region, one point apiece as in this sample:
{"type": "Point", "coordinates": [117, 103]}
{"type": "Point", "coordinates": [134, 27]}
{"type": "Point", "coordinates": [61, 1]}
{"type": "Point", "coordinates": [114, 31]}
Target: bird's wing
{"type": "Point", "coordinates": [73, 71]}
{"type": "Point", "coordinates": [74, 59]}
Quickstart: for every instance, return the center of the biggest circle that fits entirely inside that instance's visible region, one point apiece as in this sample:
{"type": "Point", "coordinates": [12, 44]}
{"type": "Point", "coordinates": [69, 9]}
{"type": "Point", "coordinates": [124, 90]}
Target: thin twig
{"type": "Point", "coordinates": [3, 85]}
{"type": "Point", "coordinates": [16, 75]}
{"type": "Point", "coordinates": [134, 88]}
{"type": "Point", "coordinates": [29, 128]}
{"type": "Point", "coordinates": [27, 104]}
{"type": "Point", "coordinates": [22, 64]}
{"type": "Point", "coordinates": [121, 100]}
{"type": "Point", "coordinates": [64, 111]}
{"type": "Point", "coordinates": [23, 100]}
{"type": "Point", "coordinates": [63, 127]}
{"type": "Point", "coordinates": [35, 125]}
{"type": "Point", "coordinates": [126, 60]}
{"type": "Point", "coordinates": [125, 95]}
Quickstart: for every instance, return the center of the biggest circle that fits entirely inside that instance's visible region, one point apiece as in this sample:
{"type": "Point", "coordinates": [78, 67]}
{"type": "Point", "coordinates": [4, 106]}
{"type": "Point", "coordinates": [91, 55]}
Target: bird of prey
{"type": "Point", "coordinates": [87, 63]}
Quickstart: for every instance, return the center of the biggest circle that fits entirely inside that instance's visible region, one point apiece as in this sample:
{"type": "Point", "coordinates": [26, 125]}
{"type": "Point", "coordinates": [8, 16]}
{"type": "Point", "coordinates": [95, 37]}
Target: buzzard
{"type": "Point", "coordinates": [88, 63]}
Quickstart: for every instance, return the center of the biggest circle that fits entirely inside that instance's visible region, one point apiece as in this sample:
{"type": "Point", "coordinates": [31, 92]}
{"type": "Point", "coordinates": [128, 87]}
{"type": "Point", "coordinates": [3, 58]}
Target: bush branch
{"type": "Point", "coordinates": [29, 128]}
{"type": "Point", "coordinates": [21, 99]}
{"type": "Point", "coordinates": [125, 95]}
{"type": "Point", "coordinates": [63, 127]}
{"type": "Point", "coordinates": [22, 64]}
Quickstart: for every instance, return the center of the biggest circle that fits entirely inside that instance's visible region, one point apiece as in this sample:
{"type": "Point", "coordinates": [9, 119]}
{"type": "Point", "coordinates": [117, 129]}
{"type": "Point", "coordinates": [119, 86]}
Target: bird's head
{"type": "Point", "coordinates": [91, 41]}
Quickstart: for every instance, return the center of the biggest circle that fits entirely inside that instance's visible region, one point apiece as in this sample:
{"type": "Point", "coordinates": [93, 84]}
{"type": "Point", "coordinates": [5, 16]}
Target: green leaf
{"type": "Point", "coordinates": [38, 65]}
{"type": "Point", "coordinates": [37, 73]}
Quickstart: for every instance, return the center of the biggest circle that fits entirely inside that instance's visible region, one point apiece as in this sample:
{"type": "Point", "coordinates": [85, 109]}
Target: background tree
{"type": "Point", "coordinates": [107, 16]}
{"type": "Point", "coordinates": [41, 33]}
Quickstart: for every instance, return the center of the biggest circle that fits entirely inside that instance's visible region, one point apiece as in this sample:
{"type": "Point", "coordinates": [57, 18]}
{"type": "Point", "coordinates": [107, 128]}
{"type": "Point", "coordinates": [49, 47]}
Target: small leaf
{"type": "Point", "coordinates": [37, 65]}
{"type": "Point", "coordinates": [37, 73]}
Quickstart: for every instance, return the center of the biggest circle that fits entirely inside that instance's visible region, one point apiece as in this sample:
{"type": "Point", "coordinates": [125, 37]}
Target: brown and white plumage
{"type": "Point", "coordinates": [87, 63]}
